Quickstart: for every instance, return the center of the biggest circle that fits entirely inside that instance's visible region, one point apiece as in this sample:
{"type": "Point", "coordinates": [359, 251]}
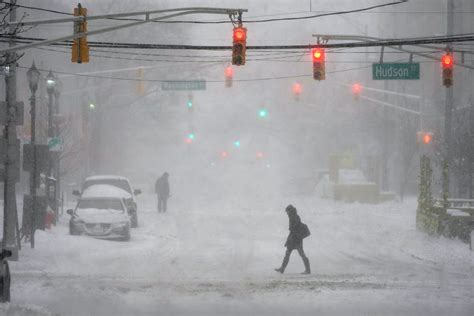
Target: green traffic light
{"type": "Point", "coordinates": [191, 135]}
{"type": "Point", "coordinates": [262, 113]}
{"type": "Point", "coordinates": [237, 143]}
{"type": "Point", "coordinates": [190, 104]}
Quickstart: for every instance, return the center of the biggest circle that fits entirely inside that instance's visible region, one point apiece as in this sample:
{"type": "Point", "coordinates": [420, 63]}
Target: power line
{"type": "Point", "coordinates": [243, 20]}
{"type": "Point", "coordinates": [469, 37]}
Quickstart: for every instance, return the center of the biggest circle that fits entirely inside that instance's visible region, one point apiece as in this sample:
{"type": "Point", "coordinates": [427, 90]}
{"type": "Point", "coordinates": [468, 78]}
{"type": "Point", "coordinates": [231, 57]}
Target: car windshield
{"type": "Point", "coordinates": [119, 183]}
{"type": "Point", "coordinates": [105, 204]}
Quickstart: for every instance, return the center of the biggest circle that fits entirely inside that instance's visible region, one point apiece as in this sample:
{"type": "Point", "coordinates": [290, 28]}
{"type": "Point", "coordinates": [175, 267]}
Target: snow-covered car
{"type": "Point", "coordinates": [112, 186]}
{"type": "Point", "coordinates": [103, 217]}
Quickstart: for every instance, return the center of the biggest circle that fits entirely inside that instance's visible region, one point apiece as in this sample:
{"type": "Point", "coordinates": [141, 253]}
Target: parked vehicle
{"type": "Point", "coordinates": [100, 186]}
{"type": "Point", "coordinates": [102, 217]}
{"type": "Point", "coordinates": [4, 276]}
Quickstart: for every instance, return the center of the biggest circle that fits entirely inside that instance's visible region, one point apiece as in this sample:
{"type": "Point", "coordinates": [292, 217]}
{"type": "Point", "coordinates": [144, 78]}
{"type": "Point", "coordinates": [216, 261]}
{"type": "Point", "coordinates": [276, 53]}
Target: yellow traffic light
{"type": "Point", "coordinates": [80, 49]}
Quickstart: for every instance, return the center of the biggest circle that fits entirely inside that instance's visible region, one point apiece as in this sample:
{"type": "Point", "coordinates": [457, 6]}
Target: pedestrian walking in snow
{"type": "Point", "coordinates": [162, 190]}
{"type": "Point", "coordinates": [298, 231]}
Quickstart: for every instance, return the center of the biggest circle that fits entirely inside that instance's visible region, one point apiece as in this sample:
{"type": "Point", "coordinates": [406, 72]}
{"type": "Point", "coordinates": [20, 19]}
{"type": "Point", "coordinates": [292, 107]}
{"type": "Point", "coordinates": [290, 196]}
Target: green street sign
{"type": "Point", "coordinates": [55, 144]}
{"type": "Point", "coordinates": [396, 71]}
{"type": "Point", "coordinates": [183, 85]}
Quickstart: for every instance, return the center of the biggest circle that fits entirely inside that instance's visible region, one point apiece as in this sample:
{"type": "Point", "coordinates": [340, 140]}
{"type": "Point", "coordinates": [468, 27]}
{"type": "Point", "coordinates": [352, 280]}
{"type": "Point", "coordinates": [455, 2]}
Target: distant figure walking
{"type": "Point", "coordinates": [162, 189]}
{"type": "Point", "coordinates": [298, 231]}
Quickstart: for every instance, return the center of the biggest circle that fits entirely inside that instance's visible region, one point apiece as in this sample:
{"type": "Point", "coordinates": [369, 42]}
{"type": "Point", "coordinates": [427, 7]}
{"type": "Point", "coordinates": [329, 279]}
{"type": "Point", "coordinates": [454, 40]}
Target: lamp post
{"type": "Point", "coordinates": [51, 182]}
{"type": "Point", "coordinates": [33, 75]}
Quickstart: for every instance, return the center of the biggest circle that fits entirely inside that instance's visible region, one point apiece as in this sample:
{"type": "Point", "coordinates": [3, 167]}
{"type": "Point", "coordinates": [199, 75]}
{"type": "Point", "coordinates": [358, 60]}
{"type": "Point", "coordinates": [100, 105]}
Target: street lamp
{"type": "Point", "coordinates": [50, 86]}
{"type": "Point", "coordinates": [33, 75]}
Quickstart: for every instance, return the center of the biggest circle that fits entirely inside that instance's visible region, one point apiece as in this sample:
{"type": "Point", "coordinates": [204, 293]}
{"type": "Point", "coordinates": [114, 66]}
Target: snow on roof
{"type": "Point", "coordinates": [455, 212]}
{"type": "Point", "coordinates": [105, 190]}
{"type": "Point", "coordinates": [102, 177]}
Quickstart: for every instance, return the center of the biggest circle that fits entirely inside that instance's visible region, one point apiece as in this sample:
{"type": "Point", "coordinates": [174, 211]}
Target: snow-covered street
{"type": "Point", "coordinates": [219, 259]}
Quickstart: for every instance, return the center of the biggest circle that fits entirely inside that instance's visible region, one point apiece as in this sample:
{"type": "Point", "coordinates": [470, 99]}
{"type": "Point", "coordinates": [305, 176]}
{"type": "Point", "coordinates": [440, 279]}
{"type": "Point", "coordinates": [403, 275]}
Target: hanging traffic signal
{"type": "Point", "coordinates": [229, 74]}
{"type": "Point", "coordinates": [140, 86]}
{"type": "Point", "coordinates": [319, 69]}
{"type": "Point", "coordinates": [190, 138]}
{"type": "Point", "coordinates": [297, 89]}
{"type": "Point", "coordinates": [190, 103]}
{"type": "Point", "coordinates": [237, 143]}
{"type": "Point", "coordinates": [239, 45]}
{"type": "Point", "coordinates": [424, 138]}
{"type": "Point", "coordinates": [447, 63]}
{"type": "Point", "coordinates": [259, 155]}
{"type": "Point", "coordinates": [262, 113]}
{"type": "Point", "coordinates": [224, 154]}
{"type": "Point", "coordinates": [356, 90]}
{"type": "Point", "coordinates": [80, 49]}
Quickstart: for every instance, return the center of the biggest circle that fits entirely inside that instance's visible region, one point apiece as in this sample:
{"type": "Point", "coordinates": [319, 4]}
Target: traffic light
{"type": "Point", "coordinates": [319, 69]}
{"type": "Point", "coordinates": [190, 138]}
{"type": "Point", "coordinates": [259, 155]}
{"type": "Point", "coordinates": [262, 113]}
{"type": "Point", "coordinates": [229, 74]}
{"type": "Point", "coordinates": [80, 49]}
{"type": "Point", "coordinates": [424, 138]}
{"type": "Point", "coordinates": [239, 45]}
{"type": "Point", "coordinates": [356, 90]}
{"type": "Point", "coordinates": [190, 102]}
{"type": "Point", "coordinates": [447, 63]}
{"type": "Point", "coordinates": [237, 143]}
{"type": "Point", "coordinates": [297, 89]}
{"type": "Point", "coordinates": [140, 87]}
{"type": "Point", "coordinates": [224, 154]}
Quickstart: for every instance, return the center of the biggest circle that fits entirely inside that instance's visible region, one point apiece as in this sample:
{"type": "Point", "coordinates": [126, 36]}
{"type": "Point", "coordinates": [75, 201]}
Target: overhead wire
{"type": "Point", "coordinates": [243, 20]}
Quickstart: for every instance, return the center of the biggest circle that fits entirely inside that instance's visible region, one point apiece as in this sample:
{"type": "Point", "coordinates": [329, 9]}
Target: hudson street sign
{"type": "Point", "coordinates": [396, 71]}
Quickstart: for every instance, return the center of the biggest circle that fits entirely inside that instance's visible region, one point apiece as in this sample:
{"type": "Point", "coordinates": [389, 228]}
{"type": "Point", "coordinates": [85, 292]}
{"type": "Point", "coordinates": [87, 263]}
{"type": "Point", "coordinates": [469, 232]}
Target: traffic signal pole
{"type": "Point", "coordinates": [448, 114]}
{"type": "Point", "coordinates": [146, 14]}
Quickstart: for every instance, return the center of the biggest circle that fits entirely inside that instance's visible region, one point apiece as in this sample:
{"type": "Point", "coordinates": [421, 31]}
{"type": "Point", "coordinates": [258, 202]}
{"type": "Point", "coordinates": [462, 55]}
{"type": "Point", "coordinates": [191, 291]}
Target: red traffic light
{"type": "Point", "coordinates": [229, 72]}
{"type": "Point", "coordinates": [318, 54]}
{"type": "Point", "coordinates": [356, 88]}
{"type": "Point", "coordinates": [297, 88]}
{"type": "Point", "coordinates": [447, 61]}
{"type": "Point", "coordinates": [240, 34]}
{"type": "Point", "coordinates": [224, 154]}
{"type": "Point", "coordinates": [427, 138]}
{"type": "Point", "coordinates": [259, 155]}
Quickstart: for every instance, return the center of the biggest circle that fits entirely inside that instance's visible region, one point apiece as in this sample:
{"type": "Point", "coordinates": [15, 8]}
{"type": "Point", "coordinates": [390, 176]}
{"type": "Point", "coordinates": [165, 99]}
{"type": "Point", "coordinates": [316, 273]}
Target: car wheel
{"type": "Point", "coordinates": [126, 236]}
{"type": "Point", "coordinates": [72, 231]}
{"type": "Point", "coordinates": [5, 282]}
{"type": "Point", "coordinates": [134, 220]}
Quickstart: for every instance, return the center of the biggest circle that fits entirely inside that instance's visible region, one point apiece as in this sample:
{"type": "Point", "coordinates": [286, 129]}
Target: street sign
{"type": "Point", "coordinates": [183, 85]}
{"type": "Point", "coordinates": [55, 144]}
{"type": "Point", "coordinates": [396, 71]}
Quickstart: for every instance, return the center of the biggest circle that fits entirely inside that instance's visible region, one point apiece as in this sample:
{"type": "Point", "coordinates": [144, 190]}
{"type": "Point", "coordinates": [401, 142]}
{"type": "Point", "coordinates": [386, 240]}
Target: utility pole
{"type": "Point", "coordinates": [448, 114]}
{"type": "Point", "coordinates": [12, 161]}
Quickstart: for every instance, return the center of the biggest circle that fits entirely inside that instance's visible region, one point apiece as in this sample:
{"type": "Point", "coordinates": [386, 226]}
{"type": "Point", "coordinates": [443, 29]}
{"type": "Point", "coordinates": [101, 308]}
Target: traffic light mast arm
{"type": "Point", "coordinates": [392, 106]}
{"type": "Point", "coordinates": [369, 39]}
{"type": "Point", "coordinates": [187, 11]}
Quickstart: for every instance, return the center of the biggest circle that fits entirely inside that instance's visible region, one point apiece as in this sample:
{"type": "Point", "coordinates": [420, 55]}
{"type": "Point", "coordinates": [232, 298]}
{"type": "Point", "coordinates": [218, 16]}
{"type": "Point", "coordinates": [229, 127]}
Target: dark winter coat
{"type": "Point", "coordinates": [294, 239]}
{"type": "Point", "coordinates": [162, 187]}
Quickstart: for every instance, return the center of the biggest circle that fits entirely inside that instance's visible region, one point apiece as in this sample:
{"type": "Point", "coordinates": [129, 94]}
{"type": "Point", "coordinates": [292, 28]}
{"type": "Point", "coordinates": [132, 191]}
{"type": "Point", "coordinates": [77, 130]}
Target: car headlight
{"type": "Point", "coordinates": [119, 225]}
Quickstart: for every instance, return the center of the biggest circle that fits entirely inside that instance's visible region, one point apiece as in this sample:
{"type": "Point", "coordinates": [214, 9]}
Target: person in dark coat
{"type": "Point", "coordinates": [162, 189]}
{"type": "Point", "coordinates": [294, 241]}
